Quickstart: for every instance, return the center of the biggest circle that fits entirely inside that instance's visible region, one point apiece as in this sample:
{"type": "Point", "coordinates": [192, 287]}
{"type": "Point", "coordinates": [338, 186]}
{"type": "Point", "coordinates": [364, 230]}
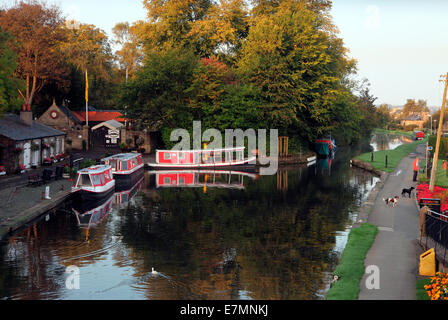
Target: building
{"type": "Point", "coordinates": [417, 120]}
{"type": "Point", "coordinates": [26, 142]}
{"type": "Point", "coordinates": [107, 128]}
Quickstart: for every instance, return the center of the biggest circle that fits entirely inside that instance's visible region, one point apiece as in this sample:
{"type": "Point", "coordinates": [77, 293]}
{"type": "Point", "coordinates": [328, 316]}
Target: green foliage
{"type": "Point", "coordinates": [351, 266]}
{"type": "Point", "coordinates": [9, 85]}
{"type": "Point", "coordinates": [443, 146]}
{"type": "Point", "coordinates": [87, 163]}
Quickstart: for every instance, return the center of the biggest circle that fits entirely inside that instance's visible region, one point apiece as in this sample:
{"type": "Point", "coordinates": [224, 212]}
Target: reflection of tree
{"type": "Point", "coordinates": [283, 239]}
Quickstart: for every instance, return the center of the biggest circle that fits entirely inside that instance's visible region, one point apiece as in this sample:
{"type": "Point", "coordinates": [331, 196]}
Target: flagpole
{"type": "Point", "coordinates": [87, 99]}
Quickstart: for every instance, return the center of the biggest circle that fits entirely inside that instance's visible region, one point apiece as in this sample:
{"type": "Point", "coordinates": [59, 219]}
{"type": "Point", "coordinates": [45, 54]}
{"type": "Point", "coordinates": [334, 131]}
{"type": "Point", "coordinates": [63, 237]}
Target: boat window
{"type": "Point", "coordinates": [139, 160]}
{"type": "Point", "coordinates": [181, 180]}
{"type": "Point", "coordinates": [181, 155]}
{"type": "Point", "coordinates": [96, 179]}
{"type": "Point", "coordinates": [85, 180]}
{"type": "Point", "coordinates": [166, 180]}
{"type": "Point", "coordinates": [124, 165]}
{"type": "Point", "coordinates": [113, 164]}
{"type": "Point", "coordinates": [107, 176]}
{"type": "Point", "coordinates": [167, 156]}
{"type": "Point", "coordinates": [102, 178]}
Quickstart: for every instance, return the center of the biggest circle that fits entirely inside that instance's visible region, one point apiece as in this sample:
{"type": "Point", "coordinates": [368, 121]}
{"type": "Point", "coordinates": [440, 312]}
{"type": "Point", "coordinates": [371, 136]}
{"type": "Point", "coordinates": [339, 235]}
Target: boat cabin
{"type": "Point", "coordinates": [192, 157]}
{"type": "Point", "coordinates": [94, 176]}
{"type": "Point", "coordinates": [124, 163]}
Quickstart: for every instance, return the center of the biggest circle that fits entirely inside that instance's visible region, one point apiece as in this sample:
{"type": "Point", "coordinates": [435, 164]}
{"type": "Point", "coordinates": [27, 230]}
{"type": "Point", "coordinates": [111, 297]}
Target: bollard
{"type": "Point", "coordinates": [62, 187]}
{"type": "Point", "coordinates": [386, 160]}
{"type": "Point", "coordinates": [371, 157]}
{"type": "Point", "coordinates": [47, 193]}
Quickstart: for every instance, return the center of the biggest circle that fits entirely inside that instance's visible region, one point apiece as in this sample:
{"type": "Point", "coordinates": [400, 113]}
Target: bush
{"type": "Point", "coordinates": [443, 147]}
{"type": "Point", "coordinates": [87, 163]}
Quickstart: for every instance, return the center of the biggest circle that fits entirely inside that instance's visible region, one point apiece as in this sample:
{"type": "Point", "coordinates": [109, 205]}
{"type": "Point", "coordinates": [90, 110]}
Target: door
{"type": "Point", "coordinates": [27, 155]}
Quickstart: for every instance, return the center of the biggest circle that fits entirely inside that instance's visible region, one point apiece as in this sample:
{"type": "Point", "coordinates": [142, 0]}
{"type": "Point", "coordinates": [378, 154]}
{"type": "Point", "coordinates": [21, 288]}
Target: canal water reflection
{"type": "Point", "coordinates": [225, 235]}
{"type": "Point", "coordinates": [381, 141]}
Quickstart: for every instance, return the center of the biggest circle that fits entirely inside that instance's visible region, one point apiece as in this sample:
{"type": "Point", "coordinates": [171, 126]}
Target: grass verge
{"type": "Point", "coordinates": [441, 177]}
{"type": "Point", "coordinates": [420, 289]}
{"type": "Point", "coordinates": [404, 133]}
{"type": "Point", "coordinates": [351, 266]}
{"type": "Point", "coordinates": [393, 156]}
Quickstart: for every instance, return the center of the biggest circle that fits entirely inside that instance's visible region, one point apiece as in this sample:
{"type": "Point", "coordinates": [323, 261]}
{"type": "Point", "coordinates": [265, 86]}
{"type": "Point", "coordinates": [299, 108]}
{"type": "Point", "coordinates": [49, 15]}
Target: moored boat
{"type": "Point", "coordinates": [203, 159]}
{"type": "Point", "coordinates": [94, 183]}
{"type": "Point", "coordinates": [127, 168]}
{"type": "Point", "coordinates": [325, 147]}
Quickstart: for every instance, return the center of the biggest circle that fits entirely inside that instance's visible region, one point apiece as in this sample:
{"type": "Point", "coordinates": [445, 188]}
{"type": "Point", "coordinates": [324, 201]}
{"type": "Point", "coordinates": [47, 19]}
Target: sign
{"type": "Point", "coordinates": [429, 148]}
{"type": "Point", "coordinates": [431, 203]}
{"type": "Point", "coordinates": [113, 134]}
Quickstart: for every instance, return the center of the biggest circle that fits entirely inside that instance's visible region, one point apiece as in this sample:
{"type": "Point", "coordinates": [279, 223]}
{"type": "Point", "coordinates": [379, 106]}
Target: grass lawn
{"type": "Point", "coordinates": [441, 178]}
{"type": "Point", "coordinates": [393, 156]}
{"type": "Point", "coordinates": [420, 289]}
{"type": "Point", "coordinates": [351, 266]}
{"type": "Point", "coordinates": [405, 133]}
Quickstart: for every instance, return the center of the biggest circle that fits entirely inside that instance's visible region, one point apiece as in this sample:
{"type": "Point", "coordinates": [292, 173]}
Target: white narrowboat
{"type": "Point", "coordinates": [227, 158]}
{"type": "Point", "coordinates": [94, 183]}
{"type": "Point", "coordinates": [127, 168]}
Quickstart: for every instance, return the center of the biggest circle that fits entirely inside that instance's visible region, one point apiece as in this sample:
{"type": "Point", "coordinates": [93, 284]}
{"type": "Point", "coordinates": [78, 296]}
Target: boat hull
{"type": "Point", "coordinates": [92, 197]}
{"type": "Point", "coordinates": [243, 165]}
{"type": "Point", "coordinates": [126, 181]}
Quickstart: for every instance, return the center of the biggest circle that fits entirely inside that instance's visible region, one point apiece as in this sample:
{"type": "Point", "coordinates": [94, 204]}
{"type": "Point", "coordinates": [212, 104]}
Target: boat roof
{"type": "Point", "coordinates": [122, 156]}
{"type": "Point", "coordinates": [95, 169]}
{"type": "Point", "coordinates": [205, 150]}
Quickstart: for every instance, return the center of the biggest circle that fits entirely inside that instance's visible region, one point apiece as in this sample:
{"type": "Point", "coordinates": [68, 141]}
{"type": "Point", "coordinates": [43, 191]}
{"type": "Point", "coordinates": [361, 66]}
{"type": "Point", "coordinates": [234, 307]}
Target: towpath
{"type": "Point", "coordinates": [395, 251]}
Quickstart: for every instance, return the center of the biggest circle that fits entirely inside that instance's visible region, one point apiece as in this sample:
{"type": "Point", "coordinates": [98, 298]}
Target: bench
{"type": "Point", "coordinates": [34, 179]}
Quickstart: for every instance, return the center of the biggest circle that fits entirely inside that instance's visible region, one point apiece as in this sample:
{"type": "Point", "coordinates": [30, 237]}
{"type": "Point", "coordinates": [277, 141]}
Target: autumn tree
{"type": "Point", "coordinates": [298, 64]}
{"type": "Point", "coordinates": [37, 29]}
{"type": "Point", "coordinates": [411, 106]}
{"type": "Point", "coordinates": [130, 54]}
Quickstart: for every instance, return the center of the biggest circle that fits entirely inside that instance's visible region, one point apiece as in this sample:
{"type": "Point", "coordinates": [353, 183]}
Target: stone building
{"type": "Point", "coordinates": [26, 142]}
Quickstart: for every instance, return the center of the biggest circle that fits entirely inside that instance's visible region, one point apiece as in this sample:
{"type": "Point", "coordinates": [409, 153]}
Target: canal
{"type": "Point", "coordinates": [206, 236]}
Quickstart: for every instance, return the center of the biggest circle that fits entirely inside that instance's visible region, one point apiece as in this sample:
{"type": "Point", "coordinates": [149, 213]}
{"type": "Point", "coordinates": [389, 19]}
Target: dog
{"type": "Point", "coordinates": [408, 191]}
{"type": "Point", "coordinates": [391, 201]}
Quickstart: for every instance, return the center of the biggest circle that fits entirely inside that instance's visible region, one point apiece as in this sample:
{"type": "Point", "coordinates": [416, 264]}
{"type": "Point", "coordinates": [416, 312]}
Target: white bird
{"type": "Point", "coordinates": [154, 271]}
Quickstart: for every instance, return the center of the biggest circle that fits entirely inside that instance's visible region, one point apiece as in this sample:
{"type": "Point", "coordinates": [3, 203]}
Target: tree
{"type": "Point", "coordinates": [9, 85]}
{"type": "Point", "coordinates": [130, 55]}
{"type": "Point", "coordinates": [37, 29]}
{"type": "Point", "coordinates": [298, 64]}
{"type": "Point", "coordinates": [413, 106]}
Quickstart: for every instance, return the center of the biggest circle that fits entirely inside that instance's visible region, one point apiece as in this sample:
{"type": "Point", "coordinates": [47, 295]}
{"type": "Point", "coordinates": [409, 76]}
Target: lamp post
{"type": "Point", "coordinates": [431, 122]}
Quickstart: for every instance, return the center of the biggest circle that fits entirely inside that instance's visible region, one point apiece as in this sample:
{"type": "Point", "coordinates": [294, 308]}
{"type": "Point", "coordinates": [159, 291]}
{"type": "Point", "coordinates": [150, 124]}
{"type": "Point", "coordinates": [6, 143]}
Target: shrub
{"type": "Point", "coordinates": [87, 163]}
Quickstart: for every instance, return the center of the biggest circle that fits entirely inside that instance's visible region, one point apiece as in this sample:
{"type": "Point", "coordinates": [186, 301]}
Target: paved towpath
{"type": "Point", "coordinates": [394, 250]}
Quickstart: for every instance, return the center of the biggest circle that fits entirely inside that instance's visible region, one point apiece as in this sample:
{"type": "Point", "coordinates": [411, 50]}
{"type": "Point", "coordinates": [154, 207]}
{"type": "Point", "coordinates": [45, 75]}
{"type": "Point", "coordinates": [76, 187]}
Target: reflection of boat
{"type": "Point", "coordinates": [203, 159]}
{"type": "Point", "coordinates": [323, 165]}
{"type": "Point", "coordinates": [94, 183]}
{"type": "Point", "coordinates": [125, 195]}
{"type": "Point", "coordinates": [201, 178]}
{"type": "Point", "coordinates": [92, 216]}
{"type": "Point", "coordinates": [127, 168]}
{"type": "Point", "coordinates": [325, 147]}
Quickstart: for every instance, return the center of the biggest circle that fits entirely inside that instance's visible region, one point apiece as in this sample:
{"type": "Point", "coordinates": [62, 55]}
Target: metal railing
{"type": "Point", "coordinates": [436, 228]}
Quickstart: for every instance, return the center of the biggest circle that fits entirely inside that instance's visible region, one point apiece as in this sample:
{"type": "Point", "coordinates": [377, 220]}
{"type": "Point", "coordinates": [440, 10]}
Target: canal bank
{"type": "Point", "coordinates": [394, 250]}
{"type": "Point", "coordinates": [22, 204]}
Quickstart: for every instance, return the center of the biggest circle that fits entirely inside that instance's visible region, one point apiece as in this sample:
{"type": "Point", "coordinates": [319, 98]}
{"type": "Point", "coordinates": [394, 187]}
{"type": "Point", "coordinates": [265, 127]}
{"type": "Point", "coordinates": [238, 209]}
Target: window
{"type": "Point", "coordinates": [181, 180]}
{"type": "Point", "coordinates": [124, 165]}
{"type": "Point", "coordinates": [167, 156]}
{"type": "Point", "coordinates": [166, 180]}
{"type": "Point", "coordinates": [102, 178]}
{"type": "Point", "coordinates": [84, 180]}
{"type": "Point", "coordinates": [106, 176]}
{"type": "Point", "coordinates": [96, 179]}
{"type": "Point", "coordinates": [181, 155]}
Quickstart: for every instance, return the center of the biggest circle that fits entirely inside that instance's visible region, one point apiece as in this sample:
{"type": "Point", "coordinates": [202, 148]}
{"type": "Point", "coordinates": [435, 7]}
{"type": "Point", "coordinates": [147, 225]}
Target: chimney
{"type": "Point", "coordinates": [26, 116]}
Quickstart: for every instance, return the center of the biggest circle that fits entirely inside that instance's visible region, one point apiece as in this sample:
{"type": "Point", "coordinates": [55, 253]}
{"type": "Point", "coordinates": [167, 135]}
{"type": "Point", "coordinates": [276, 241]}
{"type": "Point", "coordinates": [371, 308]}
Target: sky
{"type": "Point", "coordinates": [400, 46]}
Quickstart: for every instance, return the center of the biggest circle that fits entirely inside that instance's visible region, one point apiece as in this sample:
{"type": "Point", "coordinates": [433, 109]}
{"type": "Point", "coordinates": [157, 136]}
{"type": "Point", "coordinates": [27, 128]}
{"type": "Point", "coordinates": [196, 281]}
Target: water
{"type": "Point", "coordinates": [382, 141]}
{"type": "Point", "coordinates": [219, 236]}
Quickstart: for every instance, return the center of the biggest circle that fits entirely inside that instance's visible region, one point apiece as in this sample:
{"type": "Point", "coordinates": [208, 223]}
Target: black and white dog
{"type": "Point", "coordinates": [391, 201]}
{"type": "Point", "coordinates": [408, 191]}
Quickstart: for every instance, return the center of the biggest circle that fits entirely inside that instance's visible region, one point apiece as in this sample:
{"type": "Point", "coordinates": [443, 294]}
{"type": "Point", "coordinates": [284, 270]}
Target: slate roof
{"type": "Point", "coordinates": [69, 114]}
{"type": "Point", "coordinates": [12, 127]}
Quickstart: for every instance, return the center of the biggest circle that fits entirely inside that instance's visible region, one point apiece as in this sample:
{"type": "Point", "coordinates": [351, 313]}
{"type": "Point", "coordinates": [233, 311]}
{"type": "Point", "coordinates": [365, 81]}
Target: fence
{"type": "Point", "coordinates": [436, 228]}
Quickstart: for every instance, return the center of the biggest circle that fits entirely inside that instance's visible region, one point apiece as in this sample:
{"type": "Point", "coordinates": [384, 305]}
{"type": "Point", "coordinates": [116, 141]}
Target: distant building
{"type": "Point", "coordinates": [415, 119]}
{"type": "Point", "coordinates": [26, 142]}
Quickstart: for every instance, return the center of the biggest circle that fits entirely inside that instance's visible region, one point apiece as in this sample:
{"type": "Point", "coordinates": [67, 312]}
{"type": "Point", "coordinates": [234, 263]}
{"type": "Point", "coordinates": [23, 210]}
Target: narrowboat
{"type": "Point", "coordinates": [94, 183]}
{"type": "Point", "coordinates": [418, 135]}
{"type": "Point", "coordinates": [200, 178]}
{"type": "Point", "coordinates": [227, 158]}
{"type": "Point", "coordinates": [125, 195]}
{"type": "Point", "coordinates": [88, 217]}
{"type": "Point", "coordinates": [127, 168]}
{"type": "Point", "coordinates": [325, 147]}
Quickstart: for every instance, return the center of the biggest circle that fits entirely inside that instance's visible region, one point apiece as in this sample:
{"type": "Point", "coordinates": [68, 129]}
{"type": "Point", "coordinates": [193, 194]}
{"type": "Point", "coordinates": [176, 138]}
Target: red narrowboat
{"type": "Point", "coordinates": [127, 168]}
{"type": "Point", "coordinates": [94, 183]}
{"type": "Point", "coordinates": [203, 159]}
